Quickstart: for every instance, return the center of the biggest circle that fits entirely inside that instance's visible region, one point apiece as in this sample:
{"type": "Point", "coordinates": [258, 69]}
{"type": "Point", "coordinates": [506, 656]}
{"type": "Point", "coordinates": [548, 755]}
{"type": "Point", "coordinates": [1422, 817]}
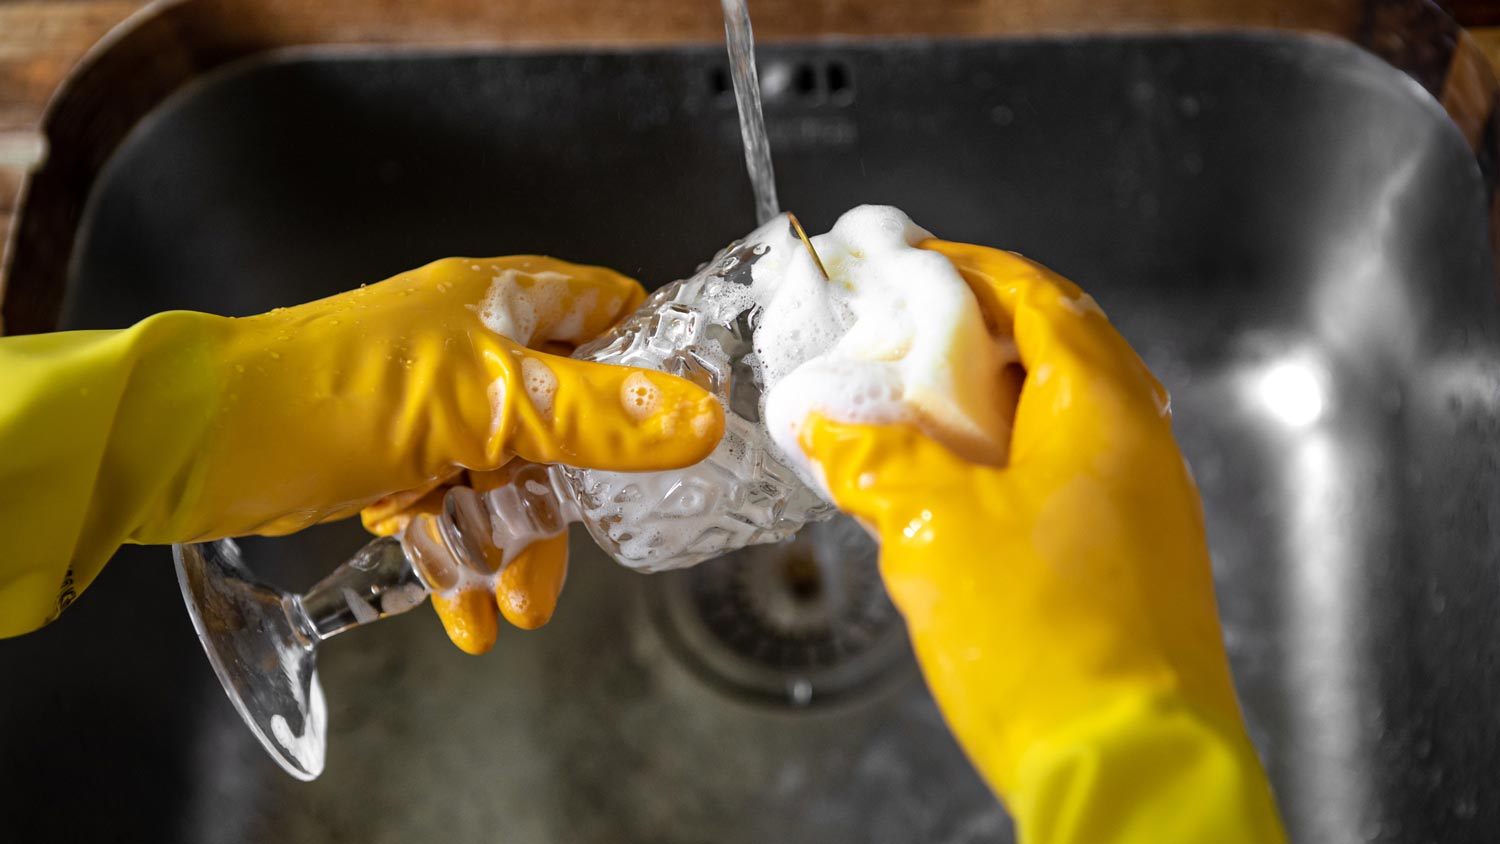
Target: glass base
{"type": "Point", "coordinates": [267, 666]}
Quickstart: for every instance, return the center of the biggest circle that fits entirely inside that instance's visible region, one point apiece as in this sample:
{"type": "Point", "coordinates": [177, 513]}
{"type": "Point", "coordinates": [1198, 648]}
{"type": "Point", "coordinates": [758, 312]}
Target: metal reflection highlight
{"type": "Point", "coordinates": [1293, 392]}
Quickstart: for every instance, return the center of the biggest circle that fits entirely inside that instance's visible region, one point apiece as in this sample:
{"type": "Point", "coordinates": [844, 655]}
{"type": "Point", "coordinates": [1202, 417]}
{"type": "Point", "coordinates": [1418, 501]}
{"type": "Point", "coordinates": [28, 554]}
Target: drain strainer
{"type": "Point", "coordinates": [802, 622]}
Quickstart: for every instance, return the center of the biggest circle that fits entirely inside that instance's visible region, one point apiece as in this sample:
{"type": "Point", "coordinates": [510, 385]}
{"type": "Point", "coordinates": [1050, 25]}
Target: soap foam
{"type": "Point", "coordinates": [497, 396]}
{"type": "Point", "coordinates": [541, 385]}
{"type": "Point", "coordinates": [894, 335]}
{"type": "Point", "coordinates": [517, 303]}
{"type": "Point", "coordinates": [639, 397]}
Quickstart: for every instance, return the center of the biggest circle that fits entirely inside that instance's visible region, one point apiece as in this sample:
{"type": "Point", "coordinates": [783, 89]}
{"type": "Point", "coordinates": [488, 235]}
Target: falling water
{"type": "Point", "coordinates": [747, 96]}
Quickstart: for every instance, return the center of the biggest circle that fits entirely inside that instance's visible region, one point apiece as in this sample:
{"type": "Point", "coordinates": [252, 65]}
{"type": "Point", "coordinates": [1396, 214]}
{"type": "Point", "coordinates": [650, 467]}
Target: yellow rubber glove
{"type": "Point", "coordinates": [527, 588]}
{"type": "Point", "coordinates": [1062, 607]}
{"type": "Point", "coordinates": [189, 427]}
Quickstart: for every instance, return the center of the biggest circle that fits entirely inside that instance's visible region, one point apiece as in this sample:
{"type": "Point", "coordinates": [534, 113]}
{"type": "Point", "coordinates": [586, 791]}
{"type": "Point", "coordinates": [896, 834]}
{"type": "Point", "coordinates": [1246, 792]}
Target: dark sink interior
{"type": "Point", "coordinates": [1291, 232]}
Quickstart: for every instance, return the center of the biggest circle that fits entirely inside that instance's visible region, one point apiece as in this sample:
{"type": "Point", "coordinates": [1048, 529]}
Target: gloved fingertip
{"type": "Point", "coordinates": [1011, 283]}
{"type": "Point", "coordinates": [527, 590]}
{"type": "Point", "coordinates": [615, 418]}
{"type": "Point", "coordinates": [381, 523]}
{"type": "Point", "coordinates": [470, 619]}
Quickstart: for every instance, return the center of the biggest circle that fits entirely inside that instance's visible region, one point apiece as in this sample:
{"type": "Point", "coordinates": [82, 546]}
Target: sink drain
{"type": "Point", "coordinates": [800, 623]}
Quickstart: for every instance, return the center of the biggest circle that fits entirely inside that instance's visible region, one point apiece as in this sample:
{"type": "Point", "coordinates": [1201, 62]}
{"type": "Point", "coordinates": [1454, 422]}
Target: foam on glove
{"type": "Point", "coordinates": [892, 335]}
{"type": "Point", "coordinates": [527, 300]}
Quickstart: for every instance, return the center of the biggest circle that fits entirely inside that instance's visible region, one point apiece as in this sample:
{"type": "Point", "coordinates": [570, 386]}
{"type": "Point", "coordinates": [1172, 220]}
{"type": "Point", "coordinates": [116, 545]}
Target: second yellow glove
{"type": "Point", "coordinates": [1062, 606]}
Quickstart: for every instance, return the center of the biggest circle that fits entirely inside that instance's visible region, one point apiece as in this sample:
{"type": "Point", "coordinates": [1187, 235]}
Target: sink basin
{"type": "Point", "coordinates": [1292, 233]}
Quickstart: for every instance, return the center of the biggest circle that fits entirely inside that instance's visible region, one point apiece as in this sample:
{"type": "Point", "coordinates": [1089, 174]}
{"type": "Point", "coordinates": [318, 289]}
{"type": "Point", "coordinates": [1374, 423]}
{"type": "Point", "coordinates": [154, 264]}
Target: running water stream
{"type": "Point", "coordinates": [747, 97]}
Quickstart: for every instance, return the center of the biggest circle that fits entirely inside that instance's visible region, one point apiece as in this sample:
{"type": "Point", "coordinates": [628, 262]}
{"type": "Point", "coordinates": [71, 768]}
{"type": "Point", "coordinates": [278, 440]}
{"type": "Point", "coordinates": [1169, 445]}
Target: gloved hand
{"type": "Point", "coordinates": [1062, 606]}
{"type": "Point", "coordinates": [527, 587]}
{"type": "Point", "coordinates": [188, 427]}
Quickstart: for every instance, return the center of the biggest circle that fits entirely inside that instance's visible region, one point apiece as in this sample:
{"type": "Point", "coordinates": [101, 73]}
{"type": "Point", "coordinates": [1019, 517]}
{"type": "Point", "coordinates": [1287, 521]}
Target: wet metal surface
{"type": "Point", "coordinates": [1291, 233]}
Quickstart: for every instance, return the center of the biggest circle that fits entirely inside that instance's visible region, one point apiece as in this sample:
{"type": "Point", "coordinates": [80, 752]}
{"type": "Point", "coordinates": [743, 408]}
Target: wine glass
{"type": "Point", "coordinates": [262, 641]}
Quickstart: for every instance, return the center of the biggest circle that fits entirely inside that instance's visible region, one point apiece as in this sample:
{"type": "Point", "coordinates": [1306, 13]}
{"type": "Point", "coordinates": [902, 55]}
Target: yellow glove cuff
{"type": "Point", "coordinates": [1146, 769]}
{"type": "Point", "coordinates": [102, 430]}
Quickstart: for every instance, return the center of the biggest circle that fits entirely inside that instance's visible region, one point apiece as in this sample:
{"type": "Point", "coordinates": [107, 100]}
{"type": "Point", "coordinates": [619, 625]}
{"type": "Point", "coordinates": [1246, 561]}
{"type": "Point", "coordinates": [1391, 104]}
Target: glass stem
{"type": "Point", "coordinates": [376, 582]}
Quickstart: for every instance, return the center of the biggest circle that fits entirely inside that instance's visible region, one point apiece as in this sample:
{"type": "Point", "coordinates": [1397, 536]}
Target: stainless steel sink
{"type": "Point", "coordinates": [1291, 232]}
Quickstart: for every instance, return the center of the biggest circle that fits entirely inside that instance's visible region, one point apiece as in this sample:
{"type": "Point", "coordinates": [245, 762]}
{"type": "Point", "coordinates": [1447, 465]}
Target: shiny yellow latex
{"type": "Point", "coordinates": [526, 588]}
{"type": "Point", "coordinates": [1062, 606]}
{"type": "Point", "coordinates": [189, 426]}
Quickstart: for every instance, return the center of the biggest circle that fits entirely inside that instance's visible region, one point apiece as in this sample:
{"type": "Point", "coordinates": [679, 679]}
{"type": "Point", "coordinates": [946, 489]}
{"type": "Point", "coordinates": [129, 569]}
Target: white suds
{"type": "Point", "coordinates": [517, 302]}
{"type": "Point", "coordinates": [639, 397]}
{"type": "Point", "coordinates": [894, 335]}
{"type": "Point", "coordinates": [541, 385]}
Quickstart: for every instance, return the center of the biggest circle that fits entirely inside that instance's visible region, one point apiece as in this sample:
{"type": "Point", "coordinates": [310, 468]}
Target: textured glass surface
{"type": "Point", "coordinates": [700, 328]}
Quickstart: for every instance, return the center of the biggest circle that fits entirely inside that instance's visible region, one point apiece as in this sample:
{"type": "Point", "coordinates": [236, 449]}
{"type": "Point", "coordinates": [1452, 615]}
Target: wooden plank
{"type": "Point", "coordinates": [1473, 13]}
{"type": "Point", "coordinates": [1488, 40]}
